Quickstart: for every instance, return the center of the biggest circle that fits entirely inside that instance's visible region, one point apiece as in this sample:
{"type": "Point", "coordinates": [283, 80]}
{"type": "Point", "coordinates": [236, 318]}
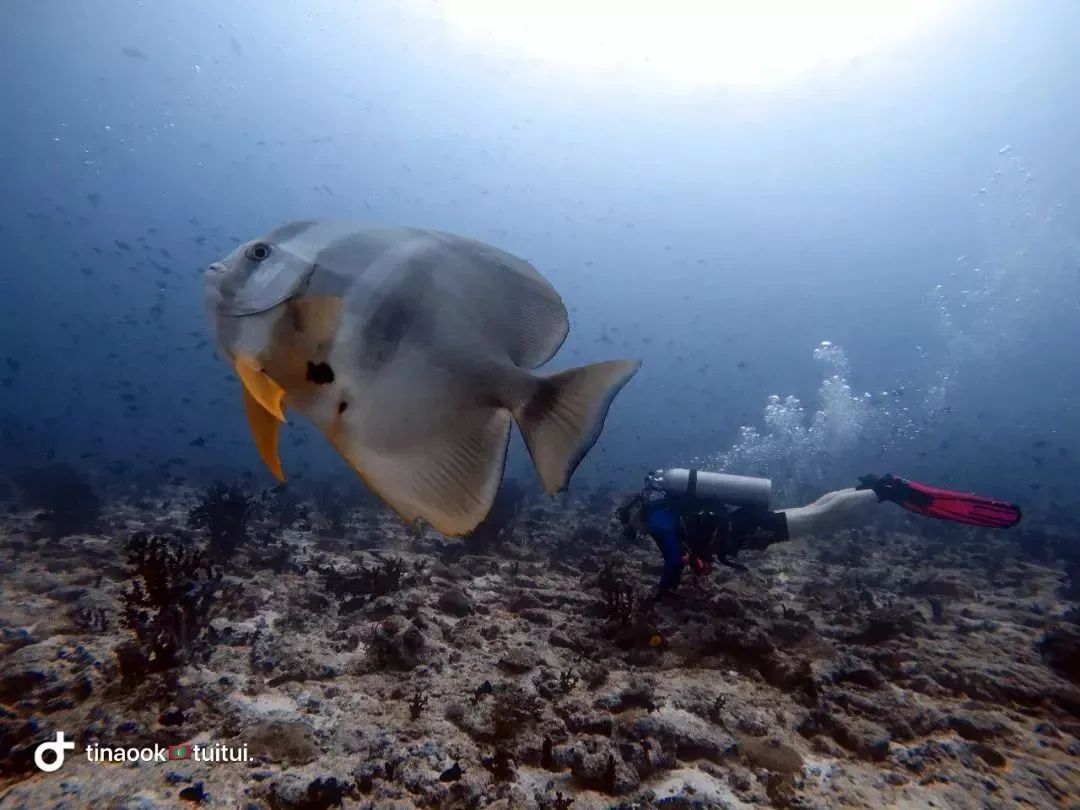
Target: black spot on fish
{"type": "Point", "coordinates": [320, 373]}
{"type": "Point", "coordinates": [342, 406]}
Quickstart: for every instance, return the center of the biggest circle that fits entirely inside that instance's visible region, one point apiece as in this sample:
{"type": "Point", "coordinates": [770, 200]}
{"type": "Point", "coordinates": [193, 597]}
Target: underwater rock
{"type": "Point", "coordinates": [581, 719]}
{"type": "Point", "coordinates": [771, 754]}
{"type": "Point", "coordinates": [397, 643]}
{"type": "Point", "coordinates": [455, 602]}
{"type": "Point", "coordinates": [941, 586]}
{"type": "Point", "coordinates": [286, 742]}
{"type": "Point", "coordinates": [1061, 649]}
{"type": "Point", "coordinates": [641, 695]}
{"type": "Point", "coordinates": [519, 660]}
{"type": "Point", "coordinates": [851, 670]}
{"type": "Point", "coordinates": [647, 756]}
{"type": "Point", "coordinates": [536, 616]}
{"type": "Point", "coordinates": [990, 755]}
{"type": "Point", "coordinates": [140, 801]}
{"type": "Point", "coordinates": [690, 736]}
{"type": "Point", "coordinates": [886, 625]}
{"type": "Point", "coordinates": [293, 791]}
{"type": "Point", "coordinates": [976, 726]}
{"type": "Point", "coordinates": [597, 765]}
{"type": "Point", "coordinates": [863, 738]}
{"type": "Point", "coordinates": [560, 637]}
{"type": "Point", "coordinates": [194, 793]}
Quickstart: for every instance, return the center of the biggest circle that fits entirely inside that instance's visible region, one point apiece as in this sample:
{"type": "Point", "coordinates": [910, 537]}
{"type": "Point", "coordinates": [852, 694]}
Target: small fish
{"type": "Point", "coordinates": [412, 351]}
{"type": "Point", "coordinates": [451, 774]}
{"type": "Point", "coordinates": [133, 53]}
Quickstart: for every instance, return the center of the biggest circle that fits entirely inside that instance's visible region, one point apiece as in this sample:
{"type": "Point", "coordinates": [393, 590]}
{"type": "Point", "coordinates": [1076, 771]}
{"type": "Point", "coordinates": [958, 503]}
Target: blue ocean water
{"type": "Point", "coordinates": [868, 265]}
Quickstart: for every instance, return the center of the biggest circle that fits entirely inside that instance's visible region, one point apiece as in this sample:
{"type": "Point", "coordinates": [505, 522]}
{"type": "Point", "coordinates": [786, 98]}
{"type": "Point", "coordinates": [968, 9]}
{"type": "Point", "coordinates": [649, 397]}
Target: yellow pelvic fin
{"type": "Point", "coordinates": [264, 431]}
{"type": "Point", "coordinates": [265, 391]}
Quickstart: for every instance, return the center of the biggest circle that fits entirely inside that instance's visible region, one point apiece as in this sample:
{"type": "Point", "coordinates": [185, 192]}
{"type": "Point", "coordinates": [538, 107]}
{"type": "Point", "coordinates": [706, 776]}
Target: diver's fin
{"type": "Point", "coordinates": [264, 390]}
{"type": "Point", "coordinates": [264, 431]}
{"type": "Point", "coordinates": [959, 507]}
{"type": "Point", "coordinates": [564, 417]}
{"type": "Point", "coordinates": [448, 476]}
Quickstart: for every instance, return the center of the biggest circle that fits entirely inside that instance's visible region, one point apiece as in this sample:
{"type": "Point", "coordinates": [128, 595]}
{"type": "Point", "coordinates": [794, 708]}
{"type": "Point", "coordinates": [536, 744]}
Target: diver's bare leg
{"type": "Point", "coordinates": [834, 510]}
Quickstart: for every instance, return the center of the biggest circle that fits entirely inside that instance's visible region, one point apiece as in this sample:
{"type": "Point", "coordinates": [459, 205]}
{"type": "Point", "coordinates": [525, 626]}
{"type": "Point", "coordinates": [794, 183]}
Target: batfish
{"type": "Point", "coordinates": [411, 351]}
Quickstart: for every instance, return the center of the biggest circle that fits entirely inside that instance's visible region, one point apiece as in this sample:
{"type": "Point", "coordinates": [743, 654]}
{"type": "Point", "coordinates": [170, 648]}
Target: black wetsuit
{"type": "Point", "coordinates": [702, 530]}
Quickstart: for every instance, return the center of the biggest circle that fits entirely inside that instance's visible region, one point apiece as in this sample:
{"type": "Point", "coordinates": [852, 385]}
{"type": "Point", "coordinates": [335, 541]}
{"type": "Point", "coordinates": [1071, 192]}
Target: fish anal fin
{"type": "Point", "coordinates": [449, 478]}
{"type": "Point", "coordinates": [264, 432]}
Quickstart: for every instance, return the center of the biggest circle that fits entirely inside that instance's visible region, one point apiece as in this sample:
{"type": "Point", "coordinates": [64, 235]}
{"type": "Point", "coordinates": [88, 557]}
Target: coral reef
{"type": "Point", "coordinates": [284, 508]}
{"type": "Point", "coordinates": [532, 672]}
{"type": "Point", "coordinates": [224, 514]}
{"type": "Point", "coordinates": [167, 606]}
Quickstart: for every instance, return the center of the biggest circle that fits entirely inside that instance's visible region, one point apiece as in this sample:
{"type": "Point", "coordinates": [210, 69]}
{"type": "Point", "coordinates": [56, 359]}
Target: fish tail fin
{"type": "Point", "coordinates": [563, 418]}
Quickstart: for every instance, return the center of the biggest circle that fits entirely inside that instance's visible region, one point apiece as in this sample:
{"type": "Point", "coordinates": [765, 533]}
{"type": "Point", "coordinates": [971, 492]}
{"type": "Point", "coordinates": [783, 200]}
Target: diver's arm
{"type": "Point", "coordinates": [833, 510]}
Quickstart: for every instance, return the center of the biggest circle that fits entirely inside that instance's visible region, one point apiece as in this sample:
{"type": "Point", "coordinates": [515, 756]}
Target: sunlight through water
{"type": "Point", "coordinates": [694, 41]}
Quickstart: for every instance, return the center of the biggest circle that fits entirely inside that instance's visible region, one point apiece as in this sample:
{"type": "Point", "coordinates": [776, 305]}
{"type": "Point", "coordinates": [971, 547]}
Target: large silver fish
{"type": "Point", "coordinates": [411, 351]}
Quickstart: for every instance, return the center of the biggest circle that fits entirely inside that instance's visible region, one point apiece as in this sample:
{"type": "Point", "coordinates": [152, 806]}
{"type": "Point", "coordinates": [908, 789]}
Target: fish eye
{"type": "Point", "coordinates": [258, 252]}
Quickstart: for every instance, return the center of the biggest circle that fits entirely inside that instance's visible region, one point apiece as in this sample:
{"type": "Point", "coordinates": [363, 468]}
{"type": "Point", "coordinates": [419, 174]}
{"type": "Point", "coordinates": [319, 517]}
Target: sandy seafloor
{"type": "Point", "coordinates": [874, 669]}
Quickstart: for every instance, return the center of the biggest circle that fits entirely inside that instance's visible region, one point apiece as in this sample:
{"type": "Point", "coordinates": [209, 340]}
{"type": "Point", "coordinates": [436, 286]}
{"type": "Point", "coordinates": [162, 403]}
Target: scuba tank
{"type": "Point", "coordinates": [733, 490]}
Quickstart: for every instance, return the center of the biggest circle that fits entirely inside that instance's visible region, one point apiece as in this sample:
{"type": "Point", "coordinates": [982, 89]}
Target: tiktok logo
{"type": "Point", "coordinates": [57, 750]}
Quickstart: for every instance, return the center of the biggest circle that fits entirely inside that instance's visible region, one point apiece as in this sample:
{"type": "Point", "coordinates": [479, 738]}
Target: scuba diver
{"type": "Point", "coordinates": [695, 516]}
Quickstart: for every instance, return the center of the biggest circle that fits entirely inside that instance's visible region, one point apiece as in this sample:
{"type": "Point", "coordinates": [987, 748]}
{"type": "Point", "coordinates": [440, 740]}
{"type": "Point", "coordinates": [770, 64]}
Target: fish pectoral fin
{"type": "Point", "coordinates": [258, 384]}
{"type": "Point", "coordinates": [264, 431]}
{"type": "Point", "coordinates": [448, 478]}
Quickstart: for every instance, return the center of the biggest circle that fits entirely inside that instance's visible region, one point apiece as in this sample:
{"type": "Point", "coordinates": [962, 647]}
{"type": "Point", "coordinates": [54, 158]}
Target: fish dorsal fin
{"type": "Point", "coordinates": [268, 285]}
{"type": "Point", "coordinates": [516, 307]}
{"type": "Point", "coordinates": [259, 386]}
{"type": "Point", "coordinates": [264, 431]}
